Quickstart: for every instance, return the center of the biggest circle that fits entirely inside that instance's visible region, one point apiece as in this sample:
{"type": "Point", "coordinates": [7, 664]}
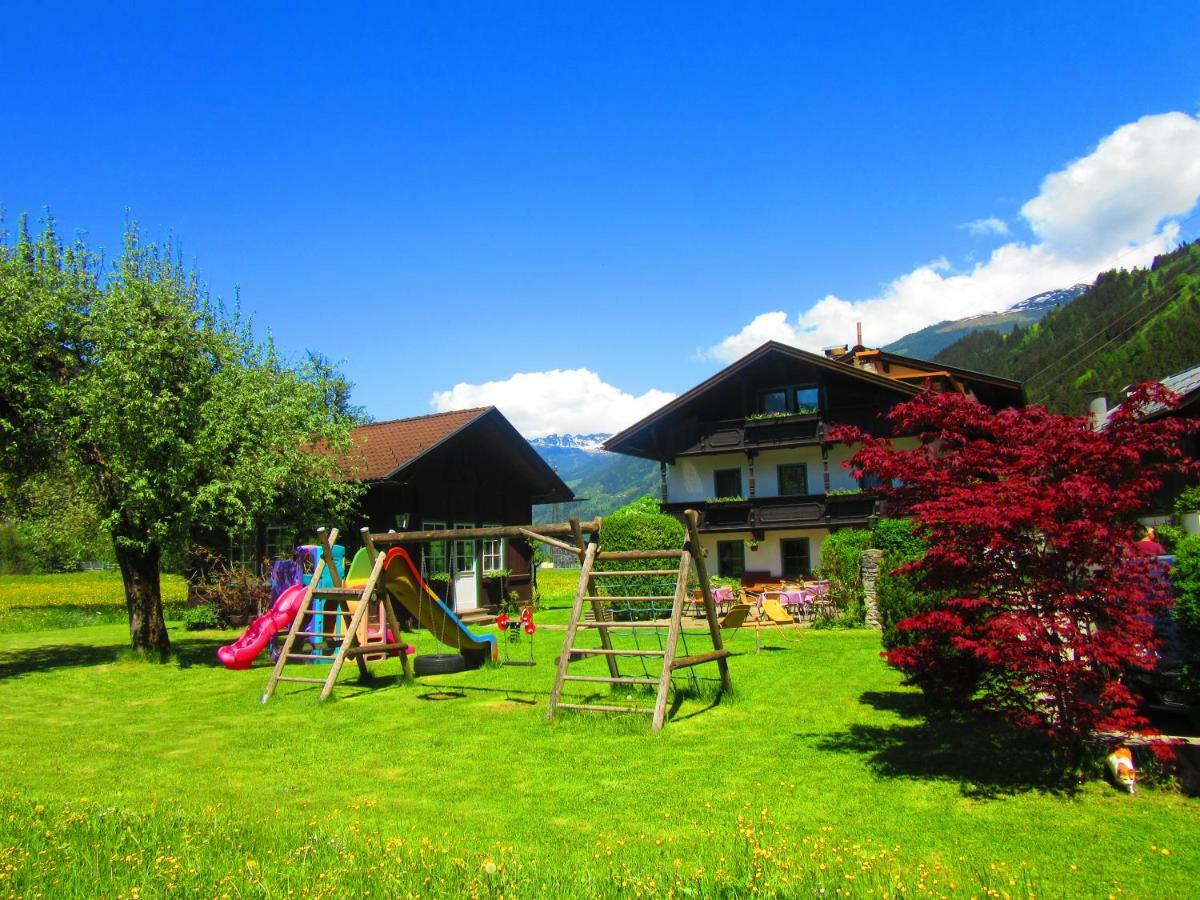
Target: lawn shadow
{"type": "Point", "coordinates": [984, 757]}
{"type": "Point", "coordinates": [48, 657]}
{"type": "Point", "coordinates": [198, 651]}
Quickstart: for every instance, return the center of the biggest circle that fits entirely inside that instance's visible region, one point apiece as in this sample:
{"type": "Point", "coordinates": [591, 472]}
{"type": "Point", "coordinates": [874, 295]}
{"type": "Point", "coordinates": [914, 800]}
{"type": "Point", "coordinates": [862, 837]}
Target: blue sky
{"type": "Point", "coordinates": [448, 194]}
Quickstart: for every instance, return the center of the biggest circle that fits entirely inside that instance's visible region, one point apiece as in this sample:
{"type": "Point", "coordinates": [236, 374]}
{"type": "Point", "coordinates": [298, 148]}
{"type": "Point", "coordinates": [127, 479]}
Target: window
{"type": "Point", "coordinates": [796, 398]}
{"type": "Point", "coordinates": [241, 550]}
{"type": "Point", "coordinates": [773, 401]}
{"type": "Point", "coordinates": [731, 559]}
{"type": "Point", "coordinates": [464, 552]}
{"type": "Point", "coordinates": [280, 542]}
{"type": "Point", "coordinates": [806, 399]}
{"type": "Point", "coordinates": [435, 551]}
{"type": "Point", "coordinates": [727, 483]}
{"type": "Point", "coordinates": [793, 479]}
{"type": "Point", "coordinates": [493, 551]}
{"type": "Point", "coordinates": [796, 563]}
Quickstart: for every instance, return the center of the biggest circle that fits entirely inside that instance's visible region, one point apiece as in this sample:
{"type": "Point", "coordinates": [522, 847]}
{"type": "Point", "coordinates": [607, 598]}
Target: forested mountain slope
{"type": "Point", "coordinates": [1128, 327]}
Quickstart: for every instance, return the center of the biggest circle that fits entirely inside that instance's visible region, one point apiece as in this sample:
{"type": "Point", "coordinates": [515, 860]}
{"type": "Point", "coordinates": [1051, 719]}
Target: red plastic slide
{"type": "Point", "coordinates": [241, 653]}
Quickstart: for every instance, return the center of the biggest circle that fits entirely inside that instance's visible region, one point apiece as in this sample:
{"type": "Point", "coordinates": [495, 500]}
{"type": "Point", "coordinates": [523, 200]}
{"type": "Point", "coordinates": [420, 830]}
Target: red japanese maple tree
{"type": "Point", "coordinates": [1030, 520]}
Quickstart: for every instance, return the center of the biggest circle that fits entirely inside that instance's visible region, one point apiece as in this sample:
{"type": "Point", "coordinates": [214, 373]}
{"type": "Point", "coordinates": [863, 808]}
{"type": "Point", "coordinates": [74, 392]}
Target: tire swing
{"type": "Point", "coordinates": [433, 663]}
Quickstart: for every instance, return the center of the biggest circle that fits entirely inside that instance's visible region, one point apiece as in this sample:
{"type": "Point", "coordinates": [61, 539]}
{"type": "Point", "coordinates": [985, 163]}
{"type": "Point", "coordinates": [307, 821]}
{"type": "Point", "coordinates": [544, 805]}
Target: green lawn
{"type": "Point", "coordinates": [822, 773]}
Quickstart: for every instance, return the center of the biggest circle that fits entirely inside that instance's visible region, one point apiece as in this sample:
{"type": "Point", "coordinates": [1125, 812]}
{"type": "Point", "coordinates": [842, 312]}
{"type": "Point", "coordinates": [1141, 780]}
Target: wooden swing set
{"type": "Point", "coordinates": [595, 593]}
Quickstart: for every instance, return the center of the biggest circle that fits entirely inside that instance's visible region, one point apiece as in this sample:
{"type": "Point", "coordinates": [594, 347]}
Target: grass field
{"type": "Point", "coordinates": [822, 774]}
{"type": "Point", "coordinates": [46, 602]}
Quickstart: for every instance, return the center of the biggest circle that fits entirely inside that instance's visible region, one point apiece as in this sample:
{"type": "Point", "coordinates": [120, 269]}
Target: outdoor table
{"type": "Point", "coordinates": [722, 596]}
{"type": "Point", "coordinates": [795, 600]}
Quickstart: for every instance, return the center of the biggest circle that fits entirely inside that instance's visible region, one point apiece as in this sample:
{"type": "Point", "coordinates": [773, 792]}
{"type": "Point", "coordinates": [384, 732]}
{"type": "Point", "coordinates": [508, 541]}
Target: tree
{"type": "Point", "coordinates": [1040, 603]}
{"type": "Point", "coordinates": [178, 417]}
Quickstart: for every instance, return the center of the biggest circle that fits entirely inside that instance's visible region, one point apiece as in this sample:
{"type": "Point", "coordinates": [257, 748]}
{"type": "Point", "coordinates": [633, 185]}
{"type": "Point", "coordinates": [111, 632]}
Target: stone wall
{"type": "Point", "coordinates": [870, 562]}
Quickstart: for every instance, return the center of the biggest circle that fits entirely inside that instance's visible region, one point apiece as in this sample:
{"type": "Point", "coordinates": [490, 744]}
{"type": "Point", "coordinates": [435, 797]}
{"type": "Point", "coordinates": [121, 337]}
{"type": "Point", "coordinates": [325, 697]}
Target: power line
{"type": "Point", "coordinates": [1069, 359]}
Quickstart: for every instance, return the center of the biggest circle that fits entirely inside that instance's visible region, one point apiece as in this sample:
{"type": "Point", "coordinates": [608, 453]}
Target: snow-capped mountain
{"type": "Point", "coordinates": [1049, 299]}
{"type": "Point", "coordinates": [601, 480]}
{"type": "Point", "coordinates": [926, 343]}
{"type": "Point", "coordinates": [589, 443]}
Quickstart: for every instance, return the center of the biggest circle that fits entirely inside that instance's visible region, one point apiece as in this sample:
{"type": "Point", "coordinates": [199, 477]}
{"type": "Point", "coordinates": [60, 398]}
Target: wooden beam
{"type": "Point", "coordinates": [639, 554]}
{"type": "Point", "coordinates": [533, 536]}
{"type": "Point", "coordinates": [577, 533]}
{"type": "Point", "coordinates": [560, 529]}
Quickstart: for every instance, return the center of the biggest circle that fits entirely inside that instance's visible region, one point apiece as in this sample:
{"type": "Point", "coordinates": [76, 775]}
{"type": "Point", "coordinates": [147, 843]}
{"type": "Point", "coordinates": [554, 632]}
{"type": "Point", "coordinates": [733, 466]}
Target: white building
{"type": "Point", "coordinates": [749, 448]}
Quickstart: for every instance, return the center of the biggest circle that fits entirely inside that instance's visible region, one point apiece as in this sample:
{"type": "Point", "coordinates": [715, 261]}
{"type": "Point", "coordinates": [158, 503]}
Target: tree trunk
{"type": "Point", "coordinates": [143, 599]}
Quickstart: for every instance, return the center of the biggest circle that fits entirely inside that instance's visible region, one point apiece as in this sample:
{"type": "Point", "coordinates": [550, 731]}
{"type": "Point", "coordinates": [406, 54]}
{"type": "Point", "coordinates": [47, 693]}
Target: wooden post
{"type": "Point", "coordinates": [664, 681]}
{"type": "Point", "coordinates": [290, 640]}
{"type": "Point", "coordinates": [710, 608]}
{"type": "Point", "coordinates": [614, 669]}
{"type": "Point", "coordinates": [351, 635]}
{"type": "Point", "coordinates": [564, 658]}
{"type": "Point", "coordinates": [327, 554]}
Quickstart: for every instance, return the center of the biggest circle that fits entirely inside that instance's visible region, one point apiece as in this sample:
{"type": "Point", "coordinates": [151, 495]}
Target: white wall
{"type": "Point", "coordinates": [766, 471]}
{"type": "Point", "coordinates": [767, 557]}
{"type": "Point", "coordinates": [691, 478]}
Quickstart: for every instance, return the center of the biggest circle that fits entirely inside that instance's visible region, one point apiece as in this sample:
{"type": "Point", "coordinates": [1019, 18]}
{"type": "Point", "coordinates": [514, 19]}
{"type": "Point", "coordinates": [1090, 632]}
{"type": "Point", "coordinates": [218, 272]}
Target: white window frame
{"type": "Point", "coordinates": [458, 545]}
{"type": "Point", "coordinates": [430, 558]}
{"type": "Point", "coordinates": [488, 545]}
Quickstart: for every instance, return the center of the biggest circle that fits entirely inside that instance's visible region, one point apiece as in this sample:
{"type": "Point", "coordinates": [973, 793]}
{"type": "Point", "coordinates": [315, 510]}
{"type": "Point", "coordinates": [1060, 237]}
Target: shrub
{"type": "Point", "coordinates": [200, 618]}
{"type": "Point", "coordinates": [234, 595]}
{"type": "Point", "coordinates": [641, 525]}
{"type": "Point", "coordinates": [899, 537]}
{"type": "Point", "coordinates": [841, 565]}
{"type": "Point", "coordinates": [13, 558]}
{"type": "Point", "coordinates": [900, 594]}
{"type": "Point", "coordinates": [1185, 579]}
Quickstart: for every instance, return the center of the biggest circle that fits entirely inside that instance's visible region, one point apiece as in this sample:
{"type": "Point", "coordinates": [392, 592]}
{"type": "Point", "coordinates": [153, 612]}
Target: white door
{"type": "Point", "coordinates": [466, 574]}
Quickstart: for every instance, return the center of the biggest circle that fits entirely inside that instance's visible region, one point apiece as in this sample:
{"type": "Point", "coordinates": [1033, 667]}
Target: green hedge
{"type": "Point", "coordinates": [641, 525]}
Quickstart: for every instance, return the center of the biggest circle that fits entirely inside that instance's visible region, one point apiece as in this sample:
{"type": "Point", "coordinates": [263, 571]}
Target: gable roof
{"type": "Point", "coordinates": [732, 371]}
{"type": "Point", "coordinates": [382, 451]}
{"type": "Point", "coordinates": [1000, 391]}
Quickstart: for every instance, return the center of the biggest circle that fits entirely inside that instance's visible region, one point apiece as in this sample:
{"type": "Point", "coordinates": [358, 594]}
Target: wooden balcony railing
{"type": "Point", "coordinates": [761, 513]}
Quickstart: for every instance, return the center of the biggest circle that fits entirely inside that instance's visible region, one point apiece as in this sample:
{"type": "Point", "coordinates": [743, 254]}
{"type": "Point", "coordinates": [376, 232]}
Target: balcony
{"type": "Point", "coordinates": [765, 513]}
{"type": "Point", "coordinates": [732, 435]}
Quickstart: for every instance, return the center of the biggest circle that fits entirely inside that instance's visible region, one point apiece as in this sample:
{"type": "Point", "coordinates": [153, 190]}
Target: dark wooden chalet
{"type": "Point", "coordinates": [464, 469]}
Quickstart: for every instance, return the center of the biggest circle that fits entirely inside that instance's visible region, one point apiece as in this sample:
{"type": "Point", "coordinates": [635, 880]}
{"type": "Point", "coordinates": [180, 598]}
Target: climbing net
{"type": "Point", "coordinates": [652, 599]}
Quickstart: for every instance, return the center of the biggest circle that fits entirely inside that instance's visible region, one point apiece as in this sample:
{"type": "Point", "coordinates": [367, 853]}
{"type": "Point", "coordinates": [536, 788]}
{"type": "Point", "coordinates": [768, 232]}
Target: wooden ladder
{"type": "Point", "coordinates": [337, 603]}
{"type": "Point", "coordinates": [602, 622]}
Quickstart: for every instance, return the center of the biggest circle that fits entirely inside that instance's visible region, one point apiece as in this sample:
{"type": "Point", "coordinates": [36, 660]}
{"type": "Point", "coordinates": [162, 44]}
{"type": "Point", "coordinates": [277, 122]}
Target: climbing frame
{"type": "Point", "coordinates": [341, 603]}
{"type": "Point", "coordinates": [598, 598]}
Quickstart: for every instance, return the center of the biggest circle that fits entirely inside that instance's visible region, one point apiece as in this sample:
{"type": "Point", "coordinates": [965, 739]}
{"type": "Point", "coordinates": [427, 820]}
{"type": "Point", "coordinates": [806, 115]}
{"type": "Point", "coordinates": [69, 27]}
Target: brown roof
{"type": "Point", "coordinates": [381, 448]}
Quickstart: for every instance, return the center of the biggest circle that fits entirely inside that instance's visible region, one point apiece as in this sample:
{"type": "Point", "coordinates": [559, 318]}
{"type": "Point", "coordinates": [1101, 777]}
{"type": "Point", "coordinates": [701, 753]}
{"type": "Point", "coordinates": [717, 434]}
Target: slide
{"type": "Point", "coordinates": [404, 583]}
{"type": "Point", "coordinates": [241, 653]}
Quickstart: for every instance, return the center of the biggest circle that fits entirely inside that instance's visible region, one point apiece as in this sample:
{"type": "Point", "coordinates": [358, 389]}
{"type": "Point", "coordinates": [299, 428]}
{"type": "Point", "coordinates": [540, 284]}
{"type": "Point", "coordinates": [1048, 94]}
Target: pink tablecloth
{"type": "Point", "coordinates": [722, 596]}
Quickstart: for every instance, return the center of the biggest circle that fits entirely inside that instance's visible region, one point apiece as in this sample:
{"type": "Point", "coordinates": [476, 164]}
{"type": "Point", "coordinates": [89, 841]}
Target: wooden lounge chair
{"type": "Point", "coordinates": [773, 611]}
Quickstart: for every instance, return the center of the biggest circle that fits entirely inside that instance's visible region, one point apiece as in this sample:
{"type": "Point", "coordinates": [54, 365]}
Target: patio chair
{"type": "Point", "coordinates": [773, 611]}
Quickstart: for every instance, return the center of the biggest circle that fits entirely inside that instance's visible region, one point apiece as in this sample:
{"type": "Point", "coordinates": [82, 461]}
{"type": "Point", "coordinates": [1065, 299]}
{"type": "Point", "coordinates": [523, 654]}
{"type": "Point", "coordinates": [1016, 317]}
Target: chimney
{"type": "Point", "coordinates": [859, 329]}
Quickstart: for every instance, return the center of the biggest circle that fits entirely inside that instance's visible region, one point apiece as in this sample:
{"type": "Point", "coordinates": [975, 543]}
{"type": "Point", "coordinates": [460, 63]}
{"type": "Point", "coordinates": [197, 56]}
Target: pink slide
{"type": "Point", "coordinates": [241, 652]}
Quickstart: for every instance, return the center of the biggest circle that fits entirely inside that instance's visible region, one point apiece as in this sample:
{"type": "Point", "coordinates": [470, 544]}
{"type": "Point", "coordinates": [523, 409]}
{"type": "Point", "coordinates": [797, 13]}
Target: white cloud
{"type": "Point", "coordinates": [990, 225]}
{"type": "Point", "coordinates": [561, 401]}
{"type": "Point", "coordinates": [1113, 207]}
